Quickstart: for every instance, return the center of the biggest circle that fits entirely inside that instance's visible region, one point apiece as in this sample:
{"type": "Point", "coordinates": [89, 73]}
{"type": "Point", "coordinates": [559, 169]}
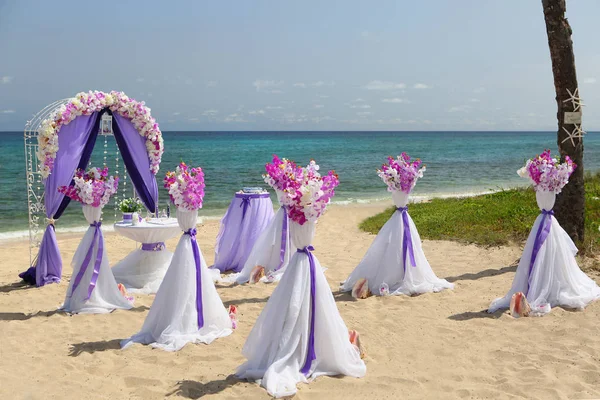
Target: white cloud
{"type": "Point", "coordinates": [6, 79]}
{"type": "Point", "coordinates": [319, 106]}
{"type": "Point", "coordinates": [211, 83]}
{"type": "Point", "coordinates": [364, 113]}
{"type": "Point", "coordinates": [462, 108]}
{"type": "Point", "coordinates": [7, 111]}
{"type": "Point", "coordinates": [234, 118]}
{"type": "Point", "coordinates": [364, 106]}
{"type": "Point", "coordinates": [359, 100]}
{"type": "Point", "coordinates": [187, 82]}
{"type": "Point", "coordinates": [474, 100]}
{"type": "Point", "coordinates": [257, 112]}
{"type": "Point", "coordinates": [321, 83]}
{"type": "Point", "coordinates": [139, 80]}
{"type": "Point", "coordinates": [395, 100]}
{"type": "Point", "coordinates": [479, 90]}
{"type": "Point", "coordinates": [589, 80]}
{"type": "Point", "coordinates": [383, 85]}
{"type": "Point", "coordinates": [421, 86]}
{"type": "Point", "coordinates": [322, 96]}
{"type": "Point", "coordinates": [274, 108]}
{"type": "Point", "coordinates": [265, 85]}
{"type": "Point", "coordinates": [365, 34]}
{"type": "Point", "coordinates": [193, 119]}
{"type": "Point", "coordinates": [210, 113]}
{"type": "Point", "coordinates": [276, 91]}
{"type": "Point", "coordinates": [299, 85]}
{"type": "Point", "coordinates": [176, 113]}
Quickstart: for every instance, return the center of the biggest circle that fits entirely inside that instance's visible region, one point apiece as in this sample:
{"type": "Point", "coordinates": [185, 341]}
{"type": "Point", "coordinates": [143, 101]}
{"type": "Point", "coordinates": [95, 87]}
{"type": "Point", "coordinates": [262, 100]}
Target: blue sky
{"type": "Point", "coordinates": [299, 65]}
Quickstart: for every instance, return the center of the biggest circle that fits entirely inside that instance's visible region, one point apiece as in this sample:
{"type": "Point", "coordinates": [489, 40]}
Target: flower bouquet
{"type": "Point", "coordinates": [401, 174]}
{"type": "Point", "coordinates": [186, 187]}
{"type": "Point", "coordinates": [547, 174]}
{"type": "Point", "coordinates": [311, 194]}
{"type": "Point", "coordinates": [129, 207]}
{"type": "Point", "coordinates": [92, 187]}
{"type": "Point", "coordinates": [283, 176]}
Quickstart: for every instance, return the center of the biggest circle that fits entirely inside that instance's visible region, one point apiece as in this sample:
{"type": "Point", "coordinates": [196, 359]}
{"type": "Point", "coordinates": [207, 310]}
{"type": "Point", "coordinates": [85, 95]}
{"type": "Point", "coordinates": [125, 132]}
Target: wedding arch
{"type": "Point", "coordinates": [59, 139]}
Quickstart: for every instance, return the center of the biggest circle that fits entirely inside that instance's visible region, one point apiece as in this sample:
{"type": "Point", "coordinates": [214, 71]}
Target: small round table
{"type": "Point", "coordinates": [143, 270]}
{"type": "Point", "coordinates": [247, 216]}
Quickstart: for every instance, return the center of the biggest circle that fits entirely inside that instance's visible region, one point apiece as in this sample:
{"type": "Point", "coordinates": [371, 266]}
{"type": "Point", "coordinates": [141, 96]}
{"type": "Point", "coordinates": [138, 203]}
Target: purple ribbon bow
{"type": "Point", "coordinates": [245, 203]}
{"type": "Point", "coordinates": [310, 353]}
{"type": "Point", "coordinates": [88, 257]}
{"type": "Point", "coordinates": [540, 238]}
{"type": "Point", "coordinates": [284, 235]}
{"type": "Point", "coordinates": [407, 245]}
{"type": "Point", "coordinates": [192, 233]}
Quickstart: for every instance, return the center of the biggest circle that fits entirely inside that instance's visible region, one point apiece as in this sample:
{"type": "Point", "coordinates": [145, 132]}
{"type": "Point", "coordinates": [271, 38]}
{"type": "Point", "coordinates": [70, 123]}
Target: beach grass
{"type": "Point", "coordinates": [495, 219]}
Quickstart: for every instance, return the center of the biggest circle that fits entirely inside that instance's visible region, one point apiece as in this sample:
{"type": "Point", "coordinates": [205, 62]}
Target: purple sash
{"type": "Point", "coordinates": [246, 199]}
{"type": "Point", "coordinates": [284, 235]}
{"type": "Point", "coordinates": [310, 353]}
{"type": "Point", "coordinates": [158, 246]}
{"type": "Point", "coordinates": [88, 257]}
{"type": "Point", "coordinates": [540, 238]}
{"type": "Point", "coordinates": [199, 309]}
{"type": "Point", "coordinates": [407, 245]}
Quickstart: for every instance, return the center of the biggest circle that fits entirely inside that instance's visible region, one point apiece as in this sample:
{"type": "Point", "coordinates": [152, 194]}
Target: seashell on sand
{"type": "Point", "coordinates": [233, 316]}
{"type": "Point", "coordinates": [355, 340]}
{"type": "Point", "coordinates": [360, 290]}
{"type": "Point", "coordinates": [519, 306]}
{"type": "Point", "coordinates": [257, 273]}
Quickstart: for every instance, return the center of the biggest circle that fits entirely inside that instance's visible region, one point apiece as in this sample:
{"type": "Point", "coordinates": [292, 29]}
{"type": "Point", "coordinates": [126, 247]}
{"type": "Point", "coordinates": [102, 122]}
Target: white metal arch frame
{"type": "Point", "coordinates": [35, 186]}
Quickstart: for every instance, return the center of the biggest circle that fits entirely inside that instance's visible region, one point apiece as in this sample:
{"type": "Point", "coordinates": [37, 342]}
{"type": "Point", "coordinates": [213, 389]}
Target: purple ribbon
{"type": "Point", "coordinates": [407, 245]}
{"type": "Point", "coordinates": [192, 233]}
{"type": "Point", "coordinates": [540, 238]}
{"type": "Point", "coordinates": [127, 217]}
{"type": "Point", "coordinates": [88, 257]}
{"type": "Point", "coordinates": [310, 353]}
{"type": "Point", "coordinates": [246, 199]}
{"type": "Point", "coordinates": [284, 236]}
{"type": "Point", "coordinates": [158, 246]}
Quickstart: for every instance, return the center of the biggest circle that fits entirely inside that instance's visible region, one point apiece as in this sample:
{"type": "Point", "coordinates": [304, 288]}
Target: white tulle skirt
{"type": "Point", "coordinates": [556, 279]}
{"type": "Point", "coordinates": [106, 296]}
{"type": "Point", "coordinates": [384, 263]}
{"type": "Point", "coordinates": [276, 348]}
{"type": "Point", "coordinates": [172, 321]}
{"type": "Point", "coordinates": [267, 251]}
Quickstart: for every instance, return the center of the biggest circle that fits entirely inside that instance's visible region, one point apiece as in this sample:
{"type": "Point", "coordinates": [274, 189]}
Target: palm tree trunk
{"type": "Point", "coordinates": [570, 204]}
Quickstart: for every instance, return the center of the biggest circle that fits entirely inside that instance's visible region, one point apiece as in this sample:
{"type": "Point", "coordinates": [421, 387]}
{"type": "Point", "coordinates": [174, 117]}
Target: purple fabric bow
{"type": "Point", "coordinates": [310, 353]}
{"type": "Point", "coordinates": [284, 236]}
{"type": "Point", "coordinates": [199, 309]}
{"type": "Point", "coordinates": [245, 203]}
{"type": "Point", "coordinates": [407, 245]}
{"type": "Point", "coordinates": [158, 246]}
{"type": "Point", "coordinates": [540, 237]}
{"type": "Point", "coordinates": [88, 257]}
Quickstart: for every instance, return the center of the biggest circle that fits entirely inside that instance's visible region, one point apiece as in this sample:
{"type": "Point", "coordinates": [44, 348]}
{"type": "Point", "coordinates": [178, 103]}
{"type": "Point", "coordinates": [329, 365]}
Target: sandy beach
{"type": "Point", "coordinates": [431, 346]}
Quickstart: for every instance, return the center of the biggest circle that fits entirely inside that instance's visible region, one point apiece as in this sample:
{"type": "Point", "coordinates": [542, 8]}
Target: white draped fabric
{"type": "Point", "coordinates": [383, 262]}
{"type": "Point", "coordinates": [172, 321]}
{"type": "Point", "coordinates": [276, 348]}
{"type": "Point", "coordinates": [106, 295]}
{"type": "Point", "coordinates": [267, 251]}
{"type": "Point", "coordinates": [142, 271]}
{"type": "Point", "coordinates": [556, 279]}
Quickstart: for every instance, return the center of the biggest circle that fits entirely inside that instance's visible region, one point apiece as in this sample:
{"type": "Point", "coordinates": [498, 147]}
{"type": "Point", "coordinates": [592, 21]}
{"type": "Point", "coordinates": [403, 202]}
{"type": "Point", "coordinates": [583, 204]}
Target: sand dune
{"type": "Point", "coordinates": [430, 346]}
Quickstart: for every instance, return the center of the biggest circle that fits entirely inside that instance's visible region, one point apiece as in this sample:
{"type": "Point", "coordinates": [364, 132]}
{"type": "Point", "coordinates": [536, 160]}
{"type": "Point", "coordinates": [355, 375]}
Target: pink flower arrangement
{"type": "Point", "coordinates": [186, 187]}
{"type": "Point", "coordinates": [88, 103]}
{"type": "Point", "coordinates": [401, 174]}
{"type": "Point", "coordinates": [311, 195]}
{"type": "Point", "coordinates": [547, 173]}
{"type": "Point", "coordinates": [283, 176]}
{"type": "Point", "coordinates": [92, 187]}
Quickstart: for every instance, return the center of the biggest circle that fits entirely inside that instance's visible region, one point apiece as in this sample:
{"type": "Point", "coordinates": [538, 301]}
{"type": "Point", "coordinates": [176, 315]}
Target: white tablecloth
{"type": "Point", "coordinates": [142, 271]}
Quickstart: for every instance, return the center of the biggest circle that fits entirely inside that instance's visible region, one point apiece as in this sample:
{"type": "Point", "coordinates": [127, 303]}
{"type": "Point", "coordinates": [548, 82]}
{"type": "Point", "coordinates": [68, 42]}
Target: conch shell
{"type": "Point", "coordinates": [355, 340]}
{"type": "Point", "coordinates": [360, 290]}
{"type": "Point", "coordinates": [519, 307]}
{"type": "Point", "coordinates": [257, 273]}
{"type": "Point", "coordinates": [233, 316]}
{"type": "Point", "coordinates": [124, 292]}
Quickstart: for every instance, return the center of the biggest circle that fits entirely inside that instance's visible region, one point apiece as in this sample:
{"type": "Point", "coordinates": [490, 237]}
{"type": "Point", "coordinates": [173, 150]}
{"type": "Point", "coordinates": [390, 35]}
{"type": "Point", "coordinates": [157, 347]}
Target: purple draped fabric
{"type": "Point", "coordinates": [197, 261]}
{"type": "Point", "coordinates": [310, 352]}
{"type": "Point", "coordinates": [247, 216]}
{"type": "Point", "coordinates": [540, 237]}
{"type": "Point", "coordinates": [135, 157]}
{"type": "Point", "coordinates": [75, 144]}
{"type": "Point", "coordinates": [284, 236]}
{"type": "Point", "coordinates": [97, 240]}
{"type": "Point", "coordinates": [407, 246]}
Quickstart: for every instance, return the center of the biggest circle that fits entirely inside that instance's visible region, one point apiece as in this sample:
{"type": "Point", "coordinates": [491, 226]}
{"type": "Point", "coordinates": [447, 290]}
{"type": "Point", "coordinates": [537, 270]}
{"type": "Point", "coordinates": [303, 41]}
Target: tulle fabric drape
{"type": "Point", "coordinates": [106, 295]}
{"type": "Point", "coordinates": [277, 345]}
{"type": "Point", "coordinates": [556, 279]}
{"type": "Point", "coordinates": [384, 263]}
{"type": "Point", "coordinates": [172, 321]}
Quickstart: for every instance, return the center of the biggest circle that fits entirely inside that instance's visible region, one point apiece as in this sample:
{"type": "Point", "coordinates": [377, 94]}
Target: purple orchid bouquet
{"type": "Point", "coordinates": [186, 187]}
{"type": "Point", "coordinates": [92, 187]}
{"type": "Point", "coordinates": [546, 173]}
{"type": "Point", "coordinates": [401, 174]}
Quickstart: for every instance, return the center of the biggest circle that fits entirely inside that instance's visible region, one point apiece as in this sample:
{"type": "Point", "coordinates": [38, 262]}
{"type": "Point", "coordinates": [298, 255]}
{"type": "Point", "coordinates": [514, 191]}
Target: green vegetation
{"type": "Point", "coordinates": [493, 219]}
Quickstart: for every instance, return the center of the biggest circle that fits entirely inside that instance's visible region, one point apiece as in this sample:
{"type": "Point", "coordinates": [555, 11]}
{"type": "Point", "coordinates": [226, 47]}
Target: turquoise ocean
{"type": "Point", "coordinates": [458, 163]}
